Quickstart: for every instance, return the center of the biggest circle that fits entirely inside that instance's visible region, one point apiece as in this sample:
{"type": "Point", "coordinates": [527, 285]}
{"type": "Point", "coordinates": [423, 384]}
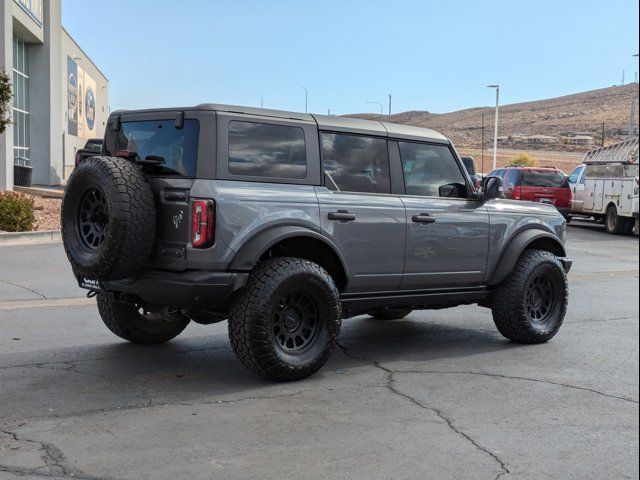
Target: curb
{"type": "Point", "coordinates": [25, 238]}
{"type": "Point", "coordinates": [40, 192]}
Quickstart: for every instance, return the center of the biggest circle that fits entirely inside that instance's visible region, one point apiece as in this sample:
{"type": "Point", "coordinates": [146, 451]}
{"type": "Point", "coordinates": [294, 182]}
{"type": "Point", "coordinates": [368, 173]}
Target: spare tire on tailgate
{"type": "Point", "coordinates": [108, 218]}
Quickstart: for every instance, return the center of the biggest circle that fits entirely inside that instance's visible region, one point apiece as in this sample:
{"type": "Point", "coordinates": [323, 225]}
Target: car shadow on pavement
{"type": "Point", "coordinates": [197, 369]}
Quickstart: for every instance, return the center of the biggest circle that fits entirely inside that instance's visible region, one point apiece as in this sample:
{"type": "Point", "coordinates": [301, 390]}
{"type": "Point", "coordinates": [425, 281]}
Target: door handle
{"type": "Point", "coordinates": [342, 215]}
{"type": "Point", "coordinates": [423, 218]}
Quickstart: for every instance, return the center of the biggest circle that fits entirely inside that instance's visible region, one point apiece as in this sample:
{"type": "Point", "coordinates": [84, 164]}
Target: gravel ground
{"type": "Point", "coordinates": [47, 211]}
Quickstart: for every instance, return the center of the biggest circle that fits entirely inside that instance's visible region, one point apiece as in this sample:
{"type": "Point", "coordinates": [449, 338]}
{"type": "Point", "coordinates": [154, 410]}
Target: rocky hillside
{"type": "Point", "coordinates": [580, 112]}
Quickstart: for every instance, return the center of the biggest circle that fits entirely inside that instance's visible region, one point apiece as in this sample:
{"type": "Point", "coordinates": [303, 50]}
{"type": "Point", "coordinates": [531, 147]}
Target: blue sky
{"type": "Point", "coordinates": [430, 55]}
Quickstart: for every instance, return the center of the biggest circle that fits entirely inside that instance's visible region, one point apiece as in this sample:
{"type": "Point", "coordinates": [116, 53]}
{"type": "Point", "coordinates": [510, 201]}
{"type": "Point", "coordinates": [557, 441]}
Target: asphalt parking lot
{"type": "Point", "coordinates": [438, 395]}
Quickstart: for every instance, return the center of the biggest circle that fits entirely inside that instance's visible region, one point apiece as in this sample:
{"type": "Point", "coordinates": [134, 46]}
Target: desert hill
{"type": "Point", "coordinates": [582, 113]}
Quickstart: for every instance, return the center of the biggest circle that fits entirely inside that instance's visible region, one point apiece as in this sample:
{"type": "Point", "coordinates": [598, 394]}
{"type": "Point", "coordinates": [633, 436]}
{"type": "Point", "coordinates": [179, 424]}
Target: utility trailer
{"type": "Point", "coordinates": [605, 186]}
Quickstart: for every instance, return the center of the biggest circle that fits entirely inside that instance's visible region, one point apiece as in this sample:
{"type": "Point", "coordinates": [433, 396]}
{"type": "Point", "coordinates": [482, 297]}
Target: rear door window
{"type": "Point", "coordinates": [354, 163]}
{"type": "Point", "coordinates": [539, 178]}
{"type": "Point", "coordinates": [175, 150]}
{"type": "Point", "coordinates": [267, 150]}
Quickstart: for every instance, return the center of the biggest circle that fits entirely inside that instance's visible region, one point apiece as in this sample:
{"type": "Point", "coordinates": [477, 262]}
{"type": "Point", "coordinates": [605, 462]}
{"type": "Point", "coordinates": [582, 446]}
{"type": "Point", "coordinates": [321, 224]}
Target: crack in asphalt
{"type": "Point", "coordinates": [120, 357]}
{"type": "Point", "coordinates": [148, 402]}
{"type": "Point", "coordinates": [391, 386]}
{"type": "Point", "coordinates": [54, 459]}
{"type": "Point", "coordinates": [527, 379]}
{"type": "Point", "coordinates": [24, 288]}
{"type": "Point", "coordinates": [598, 320]}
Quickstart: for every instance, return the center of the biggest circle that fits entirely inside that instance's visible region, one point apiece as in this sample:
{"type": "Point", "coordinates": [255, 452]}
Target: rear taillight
{"type": "Point", "coordinates": [516, 193]}
{"type": "Point", "coordinates": [202, 223]}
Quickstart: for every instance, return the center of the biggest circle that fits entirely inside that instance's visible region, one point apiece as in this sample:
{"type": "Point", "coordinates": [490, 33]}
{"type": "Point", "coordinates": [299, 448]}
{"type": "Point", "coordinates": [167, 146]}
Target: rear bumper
{"type": "Point", "coordinates": [189, 289]}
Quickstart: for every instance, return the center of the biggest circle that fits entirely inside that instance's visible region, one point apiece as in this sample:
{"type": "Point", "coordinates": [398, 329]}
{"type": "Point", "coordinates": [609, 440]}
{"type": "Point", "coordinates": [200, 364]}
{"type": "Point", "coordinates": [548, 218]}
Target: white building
{"type": "Point", "coordinates": [60, 97]}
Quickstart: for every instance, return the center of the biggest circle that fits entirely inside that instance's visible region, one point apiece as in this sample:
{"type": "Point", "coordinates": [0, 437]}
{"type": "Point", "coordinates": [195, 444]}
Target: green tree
{"type": "Point", "coordinates": [523, 160]}
{"type": "Point", "coordinates": [5, 101]}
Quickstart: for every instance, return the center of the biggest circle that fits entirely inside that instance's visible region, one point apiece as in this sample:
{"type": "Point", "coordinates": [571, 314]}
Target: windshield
{"type": "Point", "coordinates": [173, 151]}
{"type": "Point", "coordinates": [540, 178]}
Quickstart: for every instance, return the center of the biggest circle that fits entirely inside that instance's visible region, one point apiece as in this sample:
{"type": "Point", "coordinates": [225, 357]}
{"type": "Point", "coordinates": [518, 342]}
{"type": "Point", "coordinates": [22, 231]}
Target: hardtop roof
{"type": "Point", "coordinates": [324, 122]}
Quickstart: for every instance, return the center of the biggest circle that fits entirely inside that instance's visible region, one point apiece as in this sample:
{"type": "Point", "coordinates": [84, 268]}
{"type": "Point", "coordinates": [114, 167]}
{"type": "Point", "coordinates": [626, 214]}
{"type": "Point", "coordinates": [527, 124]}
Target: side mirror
{"type": "Point", "coordinates": [492, 187]}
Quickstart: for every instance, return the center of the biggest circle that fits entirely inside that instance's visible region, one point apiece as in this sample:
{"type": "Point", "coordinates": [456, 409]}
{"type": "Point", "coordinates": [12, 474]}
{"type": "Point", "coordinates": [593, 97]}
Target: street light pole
{"type": "Point", "coordinates": [495, 129]}
{"type": "Point", "coordinates": [381, 108]}
{"type": "Point", "coordinates": [482, 145]}
{"type": "Point", "coordinates": [389, 107]}
{"type": "Point", "coordinates": [633, 108]}
{"type": "Point", "coordinates": [306, 97]}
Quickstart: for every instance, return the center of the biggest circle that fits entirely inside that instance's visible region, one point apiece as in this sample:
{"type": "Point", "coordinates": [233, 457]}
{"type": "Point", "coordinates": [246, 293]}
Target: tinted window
{"type": "Point", "coordinates": [175, 148]}
{"type": "Point", "coordinates": [539, 178]}
{"type": "Point", "coordinates": [355, 164]}
{"type": "Point", "coordinates": [427, 168]}
{"type": "Point", "coordinates": [265, 150]}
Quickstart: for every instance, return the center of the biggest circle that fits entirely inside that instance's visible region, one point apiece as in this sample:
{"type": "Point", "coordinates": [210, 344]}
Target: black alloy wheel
{"type": "Point", "coordinates": [295, 323]}
{"type": "Point", "coordinates": [540, 299]}
{"type": "Point", "coordinates": [93, 219]}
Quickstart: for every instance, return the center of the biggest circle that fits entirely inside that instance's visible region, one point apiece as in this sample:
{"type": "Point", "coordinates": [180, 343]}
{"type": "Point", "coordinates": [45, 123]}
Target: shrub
{"type": "Point", "coordinates": [16, 212]}
{"type": "Point", "coordinates": [5, 101]}
{"type": "Point", "coordinates": [523, 160]}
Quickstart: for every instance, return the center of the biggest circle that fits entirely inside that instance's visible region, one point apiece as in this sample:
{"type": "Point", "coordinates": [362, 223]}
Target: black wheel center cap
{"type": "Point", "coordinates": [291, 320]}
{"type": "Point", "coordinates": [98, 218]}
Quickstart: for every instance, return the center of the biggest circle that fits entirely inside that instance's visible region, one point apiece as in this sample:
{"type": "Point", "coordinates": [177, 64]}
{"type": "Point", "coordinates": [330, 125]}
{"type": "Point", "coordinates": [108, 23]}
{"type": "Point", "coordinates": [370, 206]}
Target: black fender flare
{"type": "Point", "coordinates": [514, 249]}
{"type": "Point", "coordinates": [246, 258]}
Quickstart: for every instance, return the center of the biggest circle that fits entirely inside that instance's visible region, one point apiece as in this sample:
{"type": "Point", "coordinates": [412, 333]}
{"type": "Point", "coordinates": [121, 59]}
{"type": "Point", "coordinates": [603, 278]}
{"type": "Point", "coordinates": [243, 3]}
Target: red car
{"type": "Point", "coordinates": [537, 184]}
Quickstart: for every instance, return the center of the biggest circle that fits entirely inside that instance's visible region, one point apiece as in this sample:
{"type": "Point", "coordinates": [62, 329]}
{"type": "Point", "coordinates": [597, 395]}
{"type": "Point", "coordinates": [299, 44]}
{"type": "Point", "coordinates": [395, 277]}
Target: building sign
{"type": "Point", "coordinates": [81, 101]}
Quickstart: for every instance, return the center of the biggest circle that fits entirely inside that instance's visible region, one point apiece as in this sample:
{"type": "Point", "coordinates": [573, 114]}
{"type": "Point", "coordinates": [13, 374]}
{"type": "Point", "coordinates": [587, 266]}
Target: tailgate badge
{"type": "Point", "coordinates": [177, 218]}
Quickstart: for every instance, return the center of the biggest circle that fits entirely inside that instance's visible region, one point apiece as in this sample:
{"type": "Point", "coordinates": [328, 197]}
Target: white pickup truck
{"type": "Point", "coordinates": [605, 186]}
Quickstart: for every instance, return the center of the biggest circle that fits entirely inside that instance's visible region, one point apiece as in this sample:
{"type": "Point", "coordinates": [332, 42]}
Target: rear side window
{"type": "Point", "coordinates": [175, 150]}
{"type": "Point", "coordinates": [533, 178]}
{"type": "Point", "coordinates": [431, 170]}
{"type": "Point", "coordinates": [266, 150]}
{"type": "Point", "coordinates": [354, 163]}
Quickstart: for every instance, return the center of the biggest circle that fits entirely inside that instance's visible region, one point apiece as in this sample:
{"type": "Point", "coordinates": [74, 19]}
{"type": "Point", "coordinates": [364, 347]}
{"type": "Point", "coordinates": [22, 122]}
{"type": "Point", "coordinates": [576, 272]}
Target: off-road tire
{"type": "Point", "coordinates": [509, 300]}
{"type": "Point", "coordinates": [614, 223]}
{"type": "Point", "coordinates": [390, 313]}
{"type": "Point", "coordinates": [256, 315]}
{"type": "Point", "coordinates": [126, 321]}
{"type": "Point", "coordinates": [129, 221]}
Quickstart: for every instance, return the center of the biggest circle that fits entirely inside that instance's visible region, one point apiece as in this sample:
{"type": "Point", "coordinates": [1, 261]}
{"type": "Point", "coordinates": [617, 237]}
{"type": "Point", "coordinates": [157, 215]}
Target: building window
{"type": "Point", "coordinates": [20, 98]}
{"type": "Point", "coordinates": [33, 8]}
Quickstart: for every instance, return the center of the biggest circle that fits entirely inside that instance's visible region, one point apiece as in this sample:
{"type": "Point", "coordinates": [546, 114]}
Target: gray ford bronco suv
{"type": "Point", "coordinates": [286, 223]}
